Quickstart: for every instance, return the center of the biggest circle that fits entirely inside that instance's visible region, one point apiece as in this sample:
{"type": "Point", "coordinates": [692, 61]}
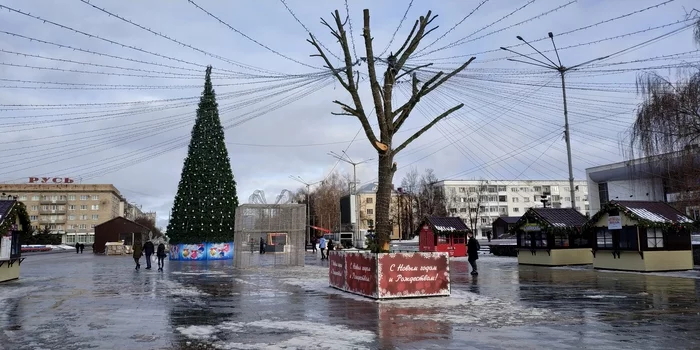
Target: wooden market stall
{"type": "Point", "coordinates": [13, 219]}
{"type": "Point", "coordinates": [552, 237]}
{"type": "Point", "coordinates": [444, 234]}
{"type": "Point", "coordinates": [641, 236]}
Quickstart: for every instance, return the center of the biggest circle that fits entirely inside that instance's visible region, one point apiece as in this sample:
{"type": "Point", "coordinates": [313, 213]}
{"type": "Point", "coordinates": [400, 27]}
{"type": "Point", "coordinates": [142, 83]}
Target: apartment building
{"type": "Point", "coordinates": [367, 201]}
{"type": "Point", "coordinates": [71, 210]}
{"type": "Point", "coordinates": [480, 202]}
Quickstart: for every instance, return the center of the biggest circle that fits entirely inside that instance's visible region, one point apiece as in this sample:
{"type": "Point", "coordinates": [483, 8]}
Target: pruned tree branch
{"type": "Point", "coordinates": [427, 127]}
{"type": "Point", "coordinates": [374, 84]}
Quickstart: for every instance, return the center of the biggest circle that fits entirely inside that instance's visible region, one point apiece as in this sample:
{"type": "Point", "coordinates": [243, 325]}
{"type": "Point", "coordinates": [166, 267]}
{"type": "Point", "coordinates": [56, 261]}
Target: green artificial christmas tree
{"type": "Point", "coordinates": [206, 200]}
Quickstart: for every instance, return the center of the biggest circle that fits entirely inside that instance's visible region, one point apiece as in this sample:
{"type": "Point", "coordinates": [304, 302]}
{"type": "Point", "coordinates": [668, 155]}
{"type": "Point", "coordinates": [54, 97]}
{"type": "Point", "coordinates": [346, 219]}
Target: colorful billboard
{"type": "Point", "coordinates": [201, 251]}
{"type": "Point", "coordinates": [391, 275]}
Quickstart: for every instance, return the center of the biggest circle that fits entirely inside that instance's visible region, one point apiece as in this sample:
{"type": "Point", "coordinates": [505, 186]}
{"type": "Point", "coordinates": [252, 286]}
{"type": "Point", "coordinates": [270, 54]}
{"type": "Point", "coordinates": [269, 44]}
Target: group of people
{"type": "Point", "coordinates": [79, 247]}
{"type": "Point", "coordinates": [324, 246]}
{"type": "Point", "coordinates": [148, 249]}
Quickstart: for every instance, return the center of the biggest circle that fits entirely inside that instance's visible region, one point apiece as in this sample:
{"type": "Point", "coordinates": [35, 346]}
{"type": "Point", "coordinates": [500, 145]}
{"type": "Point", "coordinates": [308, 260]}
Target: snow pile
{"type": "Point", "coordinates": [180, 290]}
{"type": "Point", "coordinates": [282, 334]}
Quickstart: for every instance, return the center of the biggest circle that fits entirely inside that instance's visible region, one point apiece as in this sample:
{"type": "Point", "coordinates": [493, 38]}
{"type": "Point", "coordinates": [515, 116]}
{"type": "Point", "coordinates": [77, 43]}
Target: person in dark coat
{"type": "Point", "coordinates": [314, 241]}
{"type": "Point", "coordinates": [473, 252]}
{"type": "Point", "coordinates": [82, 247]}
{"type": "Point", "coordinates": [77, 248]}
{"type": "Point", "coordinates": [137, 255]}
{"type": "Point", "coordinates": [148, 249]}
{"type": "Point", "coordinates": [262, 246]}
{"type": "Point", "coordinates": [160, 254]}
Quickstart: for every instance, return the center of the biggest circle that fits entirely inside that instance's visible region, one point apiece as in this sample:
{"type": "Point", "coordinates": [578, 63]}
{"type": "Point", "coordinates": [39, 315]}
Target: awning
{"type": "Point", "coordinates": [321, 229]}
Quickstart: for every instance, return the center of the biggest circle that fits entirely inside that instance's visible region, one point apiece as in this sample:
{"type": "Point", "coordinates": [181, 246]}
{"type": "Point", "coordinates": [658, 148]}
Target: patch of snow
{"type": "Point", "coordinates": [197, 332]}
{"type": "Point", "coordinates": [599, 296]}
{"type": "Point", "coordinates": [178, 289]}
{"type": "Point", "coordinates": [295, 335]}
{"type": "Point", "coordinates": [648, 215]}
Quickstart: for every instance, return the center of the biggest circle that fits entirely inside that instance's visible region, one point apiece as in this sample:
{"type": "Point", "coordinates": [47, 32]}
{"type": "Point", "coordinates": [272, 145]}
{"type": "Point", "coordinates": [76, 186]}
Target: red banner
{"type": "Point", "coordinates": [404, 275]}
{"type": "Point", "coordinates": [361, 273]}
{"type": "Point", "coordinates": [336, 271]}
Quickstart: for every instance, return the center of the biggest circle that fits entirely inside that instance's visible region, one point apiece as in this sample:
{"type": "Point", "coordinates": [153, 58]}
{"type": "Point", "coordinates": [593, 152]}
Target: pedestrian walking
{"type": "Point", "coordinates": [488, 236]}
{"type": "Point", "coordinates": [314, 241]}
{"type": "Point", "coordinates": [82, 247]}
{"type": "Point", "coordinates": [137, 255]}
{"type": "Point", "coordinates": [473, 252]}
{"type": "Point", "coordinates": [322, 248]}
{"type": "Point", "coordinates": [148, 249]}
{"type": "Point", "coordinates": [331, 246]}
{"type": "Point", "coordinates": [262, 246]}
{"type": "Point", "coordinates": [160, 254]}
{"type": "Point", "coordinates": [77, 248]}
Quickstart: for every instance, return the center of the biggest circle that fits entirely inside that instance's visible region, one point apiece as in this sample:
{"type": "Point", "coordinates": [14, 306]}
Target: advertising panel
{"type": "Point", "coordinates": [220, 251]}
{"type": "Point", "coordinates": [361, 273]}
{"type": "Point", "coordinates": [614, 222]}
{"type": "Point", "coordinates": [403, 275]}
{"type": "Point", "coordinates": [201, 251]}
{"type": "Point", "coordinates": [336, 271]}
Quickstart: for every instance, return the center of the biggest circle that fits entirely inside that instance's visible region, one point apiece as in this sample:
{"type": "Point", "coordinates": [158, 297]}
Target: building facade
{"type": "Point", "coordinates": [644, 179]}
{"type": "Point", "coordinates": [367, 201]}
{"type": "Point", "coordinates": [480, 202]}
{"type": "Point", "coordinates": [71, 210]}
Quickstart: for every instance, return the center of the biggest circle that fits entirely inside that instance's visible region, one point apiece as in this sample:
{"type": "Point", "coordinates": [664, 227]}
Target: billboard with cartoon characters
{"type": "Point", "coordinates": [202, 251]}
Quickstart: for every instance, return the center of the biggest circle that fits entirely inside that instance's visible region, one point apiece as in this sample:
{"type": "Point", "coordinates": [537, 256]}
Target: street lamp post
{"type": "Point", "coordinates": [562, 71]}
{"type": "Point", "coordinates": [308, 192]}
{"type": "Point", "coordinates": [345, 158]}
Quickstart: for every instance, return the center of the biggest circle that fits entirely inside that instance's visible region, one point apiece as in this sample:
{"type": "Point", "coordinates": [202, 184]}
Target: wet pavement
{"type": "Point", "coordinates": [71, 301]}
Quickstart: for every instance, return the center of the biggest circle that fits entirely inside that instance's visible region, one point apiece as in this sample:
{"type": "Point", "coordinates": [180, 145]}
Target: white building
{"type": "Point", "coordinates": [480, 202]}
{"type": "Point", "coordinates": [641, 179]}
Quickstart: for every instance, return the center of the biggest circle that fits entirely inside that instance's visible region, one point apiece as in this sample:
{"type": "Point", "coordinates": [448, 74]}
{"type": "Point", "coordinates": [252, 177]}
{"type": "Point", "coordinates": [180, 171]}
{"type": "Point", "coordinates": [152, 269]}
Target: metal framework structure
{"type": "Point", "coordinates": [281, 226]}
{"type": "Point", "coordinates": [258, 197]}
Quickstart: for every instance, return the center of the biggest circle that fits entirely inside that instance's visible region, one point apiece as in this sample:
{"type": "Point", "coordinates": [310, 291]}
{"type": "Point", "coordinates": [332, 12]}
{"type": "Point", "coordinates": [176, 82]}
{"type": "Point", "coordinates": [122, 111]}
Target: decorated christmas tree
{"type": "Point", "coordinates": [206, 200]}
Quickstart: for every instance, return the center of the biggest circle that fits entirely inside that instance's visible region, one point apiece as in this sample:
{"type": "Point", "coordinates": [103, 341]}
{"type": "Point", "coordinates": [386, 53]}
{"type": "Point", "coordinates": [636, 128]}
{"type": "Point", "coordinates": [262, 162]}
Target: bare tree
{"type": "Point", "coordinates": [389, 118]}
{"type": "Point", "coordinates": [432, 200]}
{"type": "Point", "coordinates": [409, 201]}
{"type": "Point", "coordinates": [326, 201]}
{"type": "Point", "coordinates": [470, 199]}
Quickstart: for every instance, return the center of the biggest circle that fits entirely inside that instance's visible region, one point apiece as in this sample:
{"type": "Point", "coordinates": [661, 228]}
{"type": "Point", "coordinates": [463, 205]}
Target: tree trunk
{"type": "Point", "coordinates": [383, 207]}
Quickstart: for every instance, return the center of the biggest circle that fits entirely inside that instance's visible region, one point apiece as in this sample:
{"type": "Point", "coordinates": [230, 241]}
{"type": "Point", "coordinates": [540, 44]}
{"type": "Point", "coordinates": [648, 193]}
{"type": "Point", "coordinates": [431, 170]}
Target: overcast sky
{"type": "Point", "coordinates": [510, 128]}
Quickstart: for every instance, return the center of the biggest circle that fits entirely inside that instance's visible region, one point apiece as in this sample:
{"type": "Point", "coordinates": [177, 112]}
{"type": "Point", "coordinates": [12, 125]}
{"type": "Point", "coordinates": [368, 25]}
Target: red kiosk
{"type": "Point", "coordinates": [444, 234]}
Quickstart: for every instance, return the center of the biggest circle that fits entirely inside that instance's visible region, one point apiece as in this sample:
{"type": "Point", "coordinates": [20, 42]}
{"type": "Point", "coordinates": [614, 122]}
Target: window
{"type": "Point", "coordinates": [493, 198]}
{"type": "Point", "coordinates": [35, 208]}
{"type": "Point", "coordinates": [516, 210]}
{"type": "Point", "coordinates": [369, 200]}
{"type": "Point", "coordinates": [578, 199]}
{"type": "Point", "coordinates": [83, 217]}
{"type": "Point", "coordinates": [95, 217]}
{"type": "Point", "coordinates": [561, 240]}
{"type": "Point", "coordinates": [514, 189]}
{"type": "Point", "coordinates": [95, 197]}
{"type": "Point", "coordinates": [526, 199]}
{"type": "Point", "coordinates": [35, 197]}
{"type": "Point", "coordinates": [655, 238]}
{"type": "Point", "coordinates": [538, 188]}
{"type": "Point", "coordinates": [472, 189]}
{"type": "Point", "coordinates": [70, 227]}
{"type": "Point", "coordinates": [603, 193]}
{"type": "Point", "coordinates": [462, 210]}
{"type": "Point", "coordinates": [567, 199]}
{"type": "Point", "coordinates": [484, 219]}
{"type": "Point", "coordinates": [59, 227]}
{"type": "Point", "coordinates": [472, 210]}
{"type": "Point", "coordinates": [604, 239]}
{"type": "Point", "coordinates": [585, 198]}
{"type": "Point", "coordinates": [502, 198]}
{"type": "Point", "coordinates": [33, 217]}
{"type": "Point", "coordinates": [515, 199]}
{"type": "Point", "coordinates": [547, 189]}
{"type": "Point", "coordinates": [83, 207]}
{"type": "Point", "coordinates": [71, 207]}
{"type": "Point", "coordinates": [492, 189]}
{"type": "Point", "coordinates": [71, 197]}
{"type": "Point", "coordinates": [482, 209]}
{"type": "Point", "coordinates": [462, 190]}
{"type": "Point", "coordinates": [588, 207]}
{"type": "Point", "coordinates": [453, 210]}
{"type": "Point", "coordinates": [493, 209]}
{"type": "Point", "coordinates": [84, 197]}
{"type": "Point", "coordinates": [503, 210]}
{"type": "Point", "coordinates": [501, 188]}
{"type": "Point", "coordinates": [70, 239]}
{"type": "Point", "coordinates": [524, 189]}
{"type": "Point", "coordinates": [554, 188]}
{"type": "Point", "coordinates": [92, 225]}
{"type": "Point", "coordinates": [82, 226]}
{"type": "Point", "coordinates": [629, 238]}
{"type": "Point", "coordinates": [370, 211]}
{"type": "Point", "coordinates": [71, 217]}
{"type": "Point", "coordinates": [556, 198]}
{"type": "Point", "coordinates": [95, 207]}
